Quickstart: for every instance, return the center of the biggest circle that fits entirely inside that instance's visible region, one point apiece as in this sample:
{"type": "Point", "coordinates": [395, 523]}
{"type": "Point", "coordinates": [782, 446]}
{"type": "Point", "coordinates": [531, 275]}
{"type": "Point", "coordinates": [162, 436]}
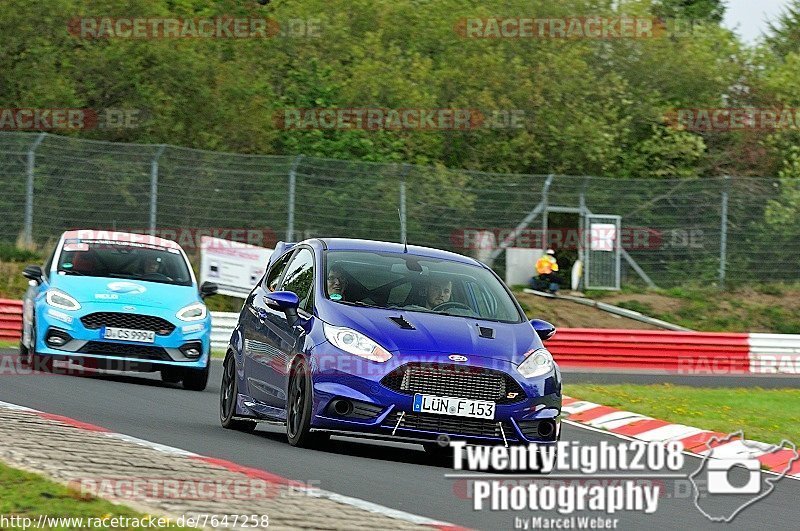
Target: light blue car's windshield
{"type": "Point", "coordinates": [417, 283]}
{"type": "Point", "coordinates": [112, 259]}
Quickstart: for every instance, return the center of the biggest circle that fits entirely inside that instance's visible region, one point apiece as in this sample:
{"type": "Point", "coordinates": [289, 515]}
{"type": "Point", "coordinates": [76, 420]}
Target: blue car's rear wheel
{"type": "Point", "coordinates": [298, 408]}
{"type": "Point", "coordinates": [228, 392]}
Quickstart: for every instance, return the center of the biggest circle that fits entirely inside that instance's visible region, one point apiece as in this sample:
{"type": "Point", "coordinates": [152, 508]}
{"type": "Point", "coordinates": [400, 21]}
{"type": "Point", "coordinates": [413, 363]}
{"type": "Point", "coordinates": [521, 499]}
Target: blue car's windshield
{"type": "Point", "coordinates": [108, 258]}
{"type": "Point", "coordinates": [417, 283]}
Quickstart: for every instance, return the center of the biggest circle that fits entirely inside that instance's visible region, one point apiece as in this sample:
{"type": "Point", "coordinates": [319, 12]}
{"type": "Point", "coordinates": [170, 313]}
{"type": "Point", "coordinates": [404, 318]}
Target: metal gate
{"type": "Point", "coordinates": [602, 251]}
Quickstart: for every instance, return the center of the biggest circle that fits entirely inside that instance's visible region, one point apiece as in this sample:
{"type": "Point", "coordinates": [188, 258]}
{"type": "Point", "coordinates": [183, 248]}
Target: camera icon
{"type": "Point", "coordinates": [719, 476]}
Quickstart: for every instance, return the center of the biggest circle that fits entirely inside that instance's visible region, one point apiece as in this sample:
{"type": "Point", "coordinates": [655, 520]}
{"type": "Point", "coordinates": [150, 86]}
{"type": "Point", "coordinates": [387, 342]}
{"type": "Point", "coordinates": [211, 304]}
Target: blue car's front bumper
{"type": "Point", "coordinates": [172, 345]}
{"type": "Point", "coordinates": [383, 412]}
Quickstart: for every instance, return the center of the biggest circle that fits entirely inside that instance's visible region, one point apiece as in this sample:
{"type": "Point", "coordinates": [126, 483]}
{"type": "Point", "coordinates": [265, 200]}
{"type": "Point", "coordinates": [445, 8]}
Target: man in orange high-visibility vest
{"type": "Point", "coordinates": [546, 269]}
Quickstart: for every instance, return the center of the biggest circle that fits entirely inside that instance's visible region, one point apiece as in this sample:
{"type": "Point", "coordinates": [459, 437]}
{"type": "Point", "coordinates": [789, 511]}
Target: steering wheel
{"type": "Point", "coordinates": [451, 304]}
{"type": "Point", "coordinates": [155, 276]}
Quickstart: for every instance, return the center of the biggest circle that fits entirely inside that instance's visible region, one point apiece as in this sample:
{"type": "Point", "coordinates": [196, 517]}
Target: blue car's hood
{"type": "Point", "coordinates": [437, 334]}
{"type": "Point", "coordinates": [122, 291]}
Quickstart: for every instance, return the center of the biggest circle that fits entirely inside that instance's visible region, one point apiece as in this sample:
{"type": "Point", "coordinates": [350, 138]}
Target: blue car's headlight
{"type": "Point", "coordinates": [538, 363]}
{"type": "Point", "coordinates": [58, 299]}
{"type": "Point", "coordinates": [193, 312]}
{"type": "Point", "coordinates": [355, 343]}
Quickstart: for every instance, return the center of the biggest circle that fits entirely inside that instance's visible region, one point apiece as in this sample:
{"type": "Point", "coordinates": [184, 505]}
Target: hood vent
{"type": "Point", "coordinates": [402, 323]}
{"type": "Point", "coordinates": [486, 332]}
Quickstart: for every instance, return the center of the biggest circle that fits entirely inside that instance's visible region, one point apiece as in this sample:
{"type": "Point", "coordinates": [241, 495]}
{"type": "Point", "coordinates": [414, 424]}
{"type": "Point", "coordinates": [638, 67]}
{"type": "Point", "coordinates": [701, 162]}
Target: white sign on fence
{"type": "Point", "coordinates": [603, 236]}
{"type": "Point", "coordinates": [235, 267]}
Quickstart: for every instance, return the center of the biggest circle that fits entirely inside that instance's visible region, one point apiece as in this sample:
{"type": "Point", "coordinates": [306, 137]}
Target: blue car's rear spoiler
{"type": "Point", "coordinates": [280, 249]}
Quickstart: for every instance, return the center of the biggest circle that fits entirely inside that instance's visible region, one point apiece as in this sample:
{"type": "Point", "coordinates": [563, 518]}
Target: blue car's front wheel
{"type": "Point", "coordinates": [298, 408]}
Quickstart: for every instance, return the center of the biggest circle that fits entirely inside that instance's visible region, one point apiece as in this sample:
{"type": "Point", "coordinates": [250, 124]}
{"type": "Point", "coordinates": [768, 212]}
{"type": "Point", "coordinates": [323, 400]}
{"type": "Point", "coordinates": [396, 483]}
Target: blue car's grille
{"type": "Point", "coordinates": [119, 350]}
{"type": "Point", "coordinates": [459, 381]}
{"type": "Point", "coordinates": [160, 326]}
{"type": "Point", "coordinates": [445, 424]}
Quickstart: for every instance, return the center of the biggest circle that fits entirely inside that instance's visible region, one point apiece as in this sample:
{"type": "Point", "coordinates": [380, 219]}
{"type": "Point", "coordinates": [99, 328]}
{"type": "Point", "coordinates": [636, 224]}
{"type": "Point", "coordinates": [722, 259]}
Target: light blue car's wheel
{"type": "Point", "coordinates": [195, 379]}
{"type": "Point", "coordinates": [37, 362]}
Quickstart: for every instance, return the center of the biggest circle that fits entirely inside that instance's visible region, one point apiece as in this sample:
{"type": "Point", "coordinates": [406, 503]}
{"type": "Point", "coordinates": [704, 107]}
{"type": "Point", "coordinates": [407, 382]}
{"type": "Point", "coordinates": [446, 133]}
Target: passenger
{"type": "Point", "coordinates": [439, 292]}
{"type": "Point", "coordinates": [337, 283]}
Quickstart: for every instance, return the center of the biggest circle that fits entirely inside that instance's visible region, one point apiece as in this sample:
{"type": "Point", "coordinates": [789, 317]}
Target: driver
{"type": "Point", "coordinates": [151, 265]}
{"type": "Point", "coordinates": [337, 283]}
{"type": "Point", "coordinates": [439, 292]}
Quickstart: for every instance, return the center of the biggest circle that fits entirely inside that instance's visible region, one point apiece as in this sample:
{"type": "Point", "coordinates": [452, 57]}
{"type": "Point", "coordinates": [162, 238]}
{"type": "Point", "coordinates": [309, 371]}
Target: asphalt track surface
{"type": "Point", "coordinates": [394, 475]}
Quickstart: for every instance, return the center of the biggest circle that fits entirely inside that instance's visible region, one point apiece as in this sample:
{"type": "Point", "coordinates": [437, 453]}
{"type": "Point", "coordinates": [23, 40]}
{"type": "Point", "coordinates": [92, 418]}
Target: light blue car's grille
{"type": "Point", "coordinates": [95, 321]}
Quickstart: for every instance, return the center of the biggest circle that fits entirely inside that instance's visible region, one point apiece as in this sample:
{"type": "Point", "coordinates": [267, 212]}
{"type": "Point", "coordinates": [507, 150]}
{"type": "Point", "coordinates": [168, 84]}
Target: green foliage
{"type": "Point", "coordinates": [12, 253]}
{"type": "Point", "coordinates": [590, 106]}
{"type": "Point", "coordinates": [767, 415]}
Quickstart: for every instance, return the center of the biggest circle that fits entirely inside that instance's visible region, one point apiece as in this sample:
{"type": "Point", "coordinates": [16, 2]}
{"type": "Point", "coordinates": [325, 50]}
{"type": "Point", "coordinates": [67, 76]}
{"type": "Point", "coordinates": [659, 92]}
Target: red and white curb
{"type": "Point", "coordinates": [694, 440]}
{"type": "Point", "coordinates": [247, 471]}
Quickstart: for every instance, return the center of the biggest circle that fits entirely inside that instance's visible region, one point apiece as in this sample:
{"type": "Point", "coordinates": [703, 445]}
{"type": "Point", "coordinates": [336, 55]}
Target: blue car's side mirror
{"type": "Point", "coordinates": [286, 302]}
{"type": "Point", "coordinates": [282, 301]}
{"type": "Point", "coordinates": [544, 329]}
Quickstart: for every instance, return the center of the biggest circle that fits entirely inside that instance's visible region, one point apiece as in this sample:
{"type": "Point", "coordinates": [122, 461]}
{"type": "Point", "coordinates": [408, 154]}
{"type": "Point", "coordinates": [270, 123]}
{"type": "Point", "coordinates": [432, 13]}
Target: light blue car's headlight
{"type": "Point", "coordinates": [538, 363]}
{"type": "Point", "coordinates": [193, 312]}
{"type": "Point", "coordinates": [59, 299]}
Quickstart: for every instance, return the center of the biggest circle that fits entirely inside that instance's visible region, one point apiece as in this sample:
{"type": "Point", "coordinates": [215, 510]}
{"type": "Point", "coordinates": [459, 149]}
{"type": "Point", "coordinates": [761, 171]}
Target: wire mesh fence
{"type": "Point", "coordinates": [706, 230]}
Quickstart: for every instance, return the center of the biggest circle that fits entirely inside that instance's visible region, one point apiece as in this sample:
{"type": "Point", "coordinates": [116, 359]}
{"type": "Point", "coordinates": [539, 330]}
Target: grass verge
{"type": "Point", "coordinates": [27, 495]}
{"type": "Point", "coordinates": [766, 415]}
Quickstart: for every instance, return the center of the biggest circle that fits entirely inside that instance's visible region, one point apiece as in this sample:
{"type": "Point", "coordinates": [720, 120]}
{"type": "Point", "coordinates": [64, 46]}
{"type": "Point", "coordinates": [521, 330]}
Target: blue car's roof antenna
{"type": "Point", "coordinates": [403, 231]}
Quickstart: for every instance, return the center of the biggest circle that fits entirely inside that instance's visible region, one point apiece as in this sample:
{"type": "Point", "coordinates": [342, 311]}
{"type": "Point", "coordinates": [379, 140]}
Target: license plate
{"type": "Point", "coordinates": [459, 407]}
{"type": "Point", "coordinates": [126, 334]}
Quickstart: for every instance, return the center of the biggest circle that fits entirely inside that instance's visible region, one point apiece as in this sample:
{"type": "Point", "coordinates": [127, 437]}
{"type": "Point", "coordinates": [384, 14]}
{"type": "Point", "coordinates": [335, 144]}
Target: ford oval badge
{"type": "Point", "coordinates": [456, 357]}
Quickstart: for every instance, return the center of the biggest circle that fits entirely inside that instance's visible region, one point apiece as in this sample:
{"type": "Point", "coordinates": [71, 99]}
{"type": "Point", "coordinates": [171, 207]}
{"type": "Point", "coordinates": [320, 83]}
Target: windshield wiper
{"type": "Point", "coordinates": [69, 272]}
{"type": "Point", "coordinates": [358, 303]}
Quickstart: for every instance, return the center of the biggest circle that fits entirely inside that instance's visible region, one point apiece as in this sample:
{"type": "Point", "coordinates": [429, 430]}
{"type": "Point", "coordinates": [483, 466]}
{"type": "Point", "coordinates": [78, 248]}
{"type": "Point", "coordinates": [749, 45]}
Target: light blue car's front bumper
{"type": "Point", "coordinates": [84, 342]}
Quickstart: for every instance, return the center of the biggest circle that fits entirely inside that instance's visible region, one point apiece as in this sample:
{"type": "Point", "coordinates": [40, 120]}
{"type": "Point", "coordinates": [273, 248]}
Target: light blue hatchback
{"type": "Point", "coordinates": [119, 301]}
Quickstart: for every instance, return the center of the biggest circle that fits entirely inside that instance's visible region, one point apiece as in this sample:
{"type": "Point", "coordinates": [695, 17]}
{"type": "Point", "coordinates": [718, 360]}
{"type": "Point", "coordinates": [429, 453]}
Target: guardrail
{"type": "Point", "coordinates": [10, 320]}
{"type": "Point", "coordinates": [697, 352]}
{"type": "Point", "coordinates": [680, 352]}
{"type": "Point", "coordinates": [222, 325]}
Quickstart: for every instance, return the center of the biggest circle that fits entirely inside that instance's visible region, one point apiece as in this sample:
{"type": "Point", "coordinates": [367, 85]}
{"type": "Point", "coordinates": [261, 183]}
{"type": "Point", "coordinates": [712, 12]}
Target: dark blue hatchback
{"type": "Point", "coordinates": [373, 339]}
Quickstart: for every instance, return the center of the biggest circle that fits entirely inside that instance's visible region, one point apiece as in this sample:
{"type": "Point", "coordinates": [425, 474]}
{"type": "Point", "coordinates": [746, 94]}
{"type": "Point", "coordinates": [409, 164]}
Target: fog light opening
{"type": "Point", "coordinates": [547, 428]}
{"type": "Point", "coordinates": [57, 338]}
{"type": "Point", "coordinates": [192, 350]}
{"type": "Point", "coordinates": [342, 407]}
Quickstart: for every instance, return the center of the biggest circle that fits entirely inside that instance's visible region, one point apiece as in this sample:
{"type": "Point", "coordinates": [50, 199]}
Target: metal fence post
{"type": "Point", "coordinates": [28, 227]}
{"type": "Point", "coordinates": [723, 238]}
{"type": "Point", "coordinates": [292, 192]}
{"type": "Point", "coordinates": [154, 188]}
{"type": "Point", "coordinates": [545, 206]}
